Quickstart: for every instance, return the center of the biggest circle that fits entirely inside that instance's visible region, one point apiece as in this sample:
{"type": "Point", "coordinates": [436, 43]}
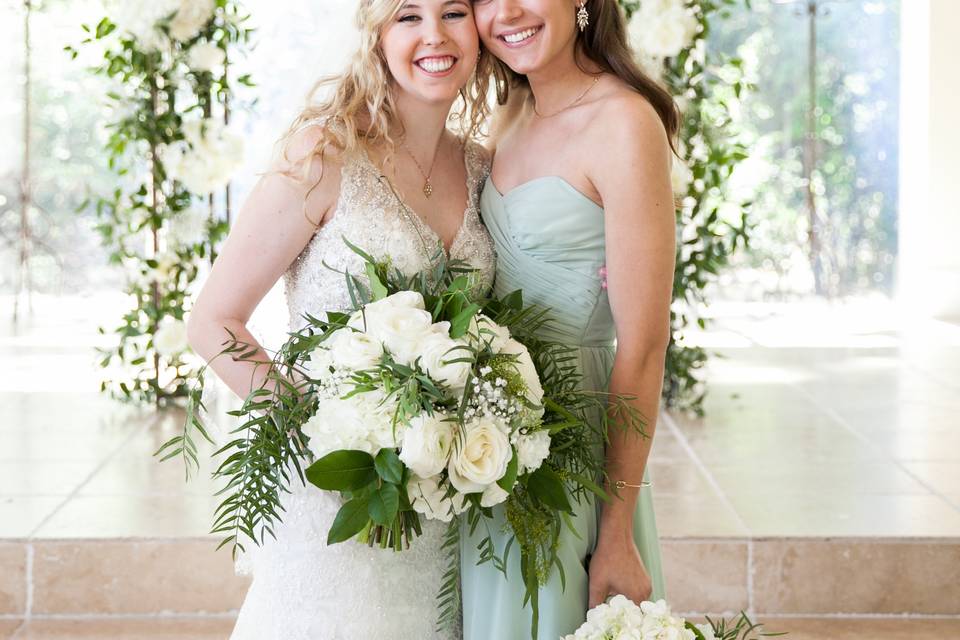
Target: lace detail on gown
{"type": "Point", "coordinates": [303, 589]}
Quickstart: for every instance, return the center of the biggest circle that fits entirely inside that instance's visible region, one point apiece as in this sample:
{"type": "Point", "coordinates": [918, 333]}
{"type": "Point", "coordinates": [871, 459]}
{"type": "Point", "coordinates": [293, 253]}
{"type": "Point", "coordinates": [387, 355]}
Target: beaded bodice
{"type": "Point", "coordinates": [370, 215]}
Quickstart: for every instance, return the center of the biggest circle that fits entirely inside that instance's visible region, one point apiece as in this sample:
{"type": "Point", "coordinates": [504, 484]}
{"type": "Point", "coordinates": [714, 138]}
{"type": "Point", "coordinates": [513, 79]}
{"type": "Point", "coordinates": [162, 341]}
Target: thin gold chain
{"type": "Point", "coordinates": [427, 185]}
{"type": "Point", "coordinates": [583, 95]}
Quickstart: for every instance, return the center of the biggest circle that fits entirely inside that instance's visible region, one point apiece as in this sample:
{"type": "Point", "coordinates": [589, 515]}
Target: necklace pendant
{"type": "Point", "coordinates": [427, 189]}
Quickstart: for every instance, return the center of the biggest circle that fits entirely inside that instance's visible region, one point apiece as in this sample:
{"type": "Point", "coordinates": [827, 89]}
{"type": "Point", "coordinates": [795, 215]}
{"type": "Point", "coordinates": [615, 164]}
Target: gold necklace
{"type": "Point", "coordinates": [596, 79]}
{"type": "Point", "coordinates": [427, 186]}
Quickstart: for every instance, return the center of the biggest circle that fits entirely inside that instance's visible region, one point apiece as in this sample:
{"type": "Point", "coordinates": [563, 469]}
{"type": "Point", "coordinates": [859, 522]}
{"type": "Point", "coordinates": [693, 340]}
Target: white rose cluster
{"type": "Point", "coordinates": [622, 618]}
{"type": "Point", "coordinates": [207, 157]}
{"type": "Point", "coordinates": [662, 28]}
{"type": "Point", "coordinates": [171, 338]}
{"type": "Point", "coordinates": [449, 456]}
{"type": "Point", "coordinates": [188, 227]}
{"type": "Point", "coordinates": [142, 19]}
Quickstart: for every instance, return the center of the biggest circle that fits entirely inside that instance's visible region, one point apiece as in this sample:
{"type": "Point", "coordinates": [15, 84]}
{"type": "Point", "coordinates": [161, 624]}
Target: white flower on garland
{"type": "Point", "coordinates": [142, 19]}
{"type": "Point", "coordinates": [207, 158]}
{"type": "Point", "coordinates": [191, 18]}
{"type": "Point", "coordinates": [205, 56]}
{"type": "Point", "coordinates": [188, 228]}
{"type": "Point", "coordinates": [662, 28]}
{"type": "Point", "coordinates": [680, 176]}
{"type": "Point", "coordinates": [171, 337]}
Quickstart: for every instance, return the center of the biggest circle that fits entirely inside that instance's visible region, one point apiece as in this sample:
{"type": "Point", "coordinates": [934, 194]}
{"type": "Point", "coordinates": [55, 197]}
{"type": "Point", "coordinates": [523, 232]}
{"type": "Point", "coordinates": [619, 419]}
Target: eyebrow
{"type": "Point", "coordinates": [410, 5]}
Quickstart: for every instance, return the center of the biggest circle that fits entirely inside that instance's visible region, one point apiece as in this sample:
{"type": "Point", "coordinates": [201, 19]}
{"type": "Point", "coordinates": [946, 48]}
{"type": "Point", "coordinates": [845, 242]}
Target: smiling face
{"type": "Point", "coordinates": [431, 48]}
{"type": "Point", "coordinates": [527, 35]}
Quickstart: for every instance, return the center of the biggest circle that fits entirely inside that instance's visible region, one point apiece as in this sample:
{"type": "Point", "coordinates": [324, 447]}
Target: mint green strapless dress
{"type": "Point", "coordinates": [549, 239]}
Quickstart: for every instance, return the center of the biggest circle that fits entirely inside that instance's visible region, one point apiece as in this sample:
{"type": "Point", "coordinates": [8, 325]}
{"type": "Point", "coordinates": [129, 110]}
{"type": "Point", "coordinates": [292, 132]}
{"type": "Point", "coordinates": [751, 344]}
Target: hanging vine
{"type": "Point", "coordinates": [671, 38]}
{"type": "Point", "coordinates": [173, 156]}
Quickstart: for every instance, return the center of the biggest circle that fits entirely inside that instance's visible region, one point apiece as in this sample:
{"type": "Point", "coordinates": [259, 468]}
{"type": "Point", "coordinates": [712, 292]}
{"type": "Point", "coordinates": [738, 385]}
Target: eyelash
{"type": "Point", "coordinates": [454, 14]}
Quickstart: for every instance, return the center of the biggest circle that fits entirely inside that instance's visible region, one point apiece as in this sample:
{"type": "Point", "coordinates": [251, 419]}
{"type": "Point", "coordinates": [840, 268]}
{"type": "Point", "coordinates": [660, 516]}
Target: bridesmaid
{"type": "Point", "coordinates": [580, 207]}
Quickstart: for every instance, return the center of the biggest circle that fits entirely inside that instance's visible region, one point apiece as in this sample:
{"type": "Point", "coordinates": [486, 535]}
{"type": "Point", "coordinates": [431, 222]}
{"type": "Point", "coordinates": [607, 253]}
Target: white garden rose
{"type": "Point", "coordinates": [483, 330]}
{"type": "Point", "coordinates": [428, 497]}
{"type": "Point", "coordinates": [205, 56]}
{"type": "Point", "coordinates": [337, 424]}
{"type": "Point", "coordinates": [426, 444]}
{"type": "Point", "coordinates": [354, 350]}
{"type": "Point", "coordinates": [317, 364]}
{"type": "Point", "coordinates": [399, 328]}
{"type": "Point", "coordinates": [139, 19]}
{"type": "Point", "coordinates": [171, 337]}
{"type": "Point", "coordinates": [662, 28]}
{"type": "Point", "coordinates": [207, 157]}
{"type": "Point", "coordinates": [191, 17]}
{"type": "Point", "coordinates": [436, 350]}
{"type": "Point", "coordinates": [493, 495]}
{"type": "Point", "coordinates": [527, 371]}
{"type": "Point", "coordinates": [532, 450]}
{"type": "Point", "coordinates": [481, 458]}
{"type": "Point", "coordinates": [189, 227]}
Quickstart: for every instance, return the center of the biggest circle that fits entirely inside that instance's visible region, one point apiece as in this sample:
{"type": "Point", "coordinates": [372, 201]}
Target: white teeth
{"type": "Point", "coordinates": [514, 38]}
{"type": "Point", "coordinates": [436, 65]}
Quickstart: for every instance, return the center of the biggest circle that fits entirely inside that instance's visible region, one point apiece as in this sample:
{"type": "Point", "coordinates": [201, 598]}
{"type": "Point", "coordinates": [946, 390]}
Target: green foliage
{"type": "Point", "coordinates": [740, 628]}
{"type": "Point", "coordinates": [154, 90]}
{"type": "Point", "coordinates": [711, 225]}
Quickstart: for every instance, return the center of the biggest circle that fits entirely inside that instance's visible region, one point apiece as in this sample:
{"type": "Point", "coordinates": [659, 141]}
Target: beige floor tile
{"type": "Point", "coordinates": [919, 444]}
{"type": "Point", "coordinates": [834, 514]}
{"type": "Point", "coordinates": [705, 575]}
{"type": "Point", "coordinates": [129, 628]}
{"type": "Point", "coordinates": [678, 477]}
{"type": "Point", "coordinates": [943, 477]}
{"type": "Point", "coordinates": [785, 475]}
{"type": "Point", "coordinates": [20, 515]}
{"type": "Point", "coordinates": [680, 516]}
{"type": "Point", "coordinates": [43, 477]}
{"type": "Point", "coordinates": [13, 578]}
{"type": "Point", "coordinates": [8, 627]}
{"type": "Point", "coordinates": [153, 516]}
{"type": "Point", "coordinates": [856, 576]}
{"type": "Point", "coordinates": [134, 577]}
{"type": "Point", "coordinates": [666, 447]}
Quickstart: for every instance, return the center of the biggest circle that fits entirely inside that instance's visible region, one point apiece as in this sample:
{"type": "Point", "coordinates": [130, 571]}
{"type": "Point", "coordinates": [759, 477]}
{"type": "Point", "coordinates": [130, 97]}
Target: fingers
{"type": "Point", "coordinates": [597, 595]}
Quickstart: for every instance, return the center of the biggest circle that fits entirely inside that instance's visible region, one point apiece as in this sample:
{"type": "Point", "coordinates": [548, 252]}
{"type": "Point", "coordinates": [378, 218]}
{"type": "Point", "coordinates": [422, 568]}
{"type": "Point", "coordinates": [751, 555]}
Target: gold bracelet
{"type": "Point", "coordinates": [620, 484]}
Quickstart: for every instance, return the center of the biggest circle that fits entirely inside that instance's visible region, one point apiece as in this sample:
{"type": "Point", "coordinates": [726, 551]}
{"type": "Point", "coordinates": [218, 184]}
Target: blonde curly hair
{"type": "Point", "coordinates": [361, 108]}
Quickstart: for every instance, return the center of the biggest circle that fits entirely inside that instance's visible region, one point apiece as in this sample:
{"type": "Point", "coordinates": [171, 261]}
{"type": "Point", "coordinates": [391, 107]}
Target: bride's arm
{"type": "Point", "coordinates": [633, 178]}
{"type": "Point", "coordinates": [270, 232]}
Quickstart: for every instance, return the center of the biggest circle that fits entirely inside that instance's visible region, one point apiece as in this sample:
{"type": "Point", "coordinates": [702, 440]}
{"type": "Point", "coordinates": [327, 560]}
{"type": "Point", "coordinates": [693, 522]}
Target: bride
{"type": "Point", "coordinates": [374, 164]}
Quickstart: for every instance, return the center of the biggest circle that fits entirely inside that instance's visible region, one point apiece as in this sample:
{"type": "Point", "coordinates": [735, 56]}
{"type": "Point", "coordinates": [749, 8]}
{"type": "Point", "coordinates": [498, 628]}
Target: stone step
{"type": "Point", "coordinates": [219, 627]}
{"type": "Point", "coordinates": [764, 576]}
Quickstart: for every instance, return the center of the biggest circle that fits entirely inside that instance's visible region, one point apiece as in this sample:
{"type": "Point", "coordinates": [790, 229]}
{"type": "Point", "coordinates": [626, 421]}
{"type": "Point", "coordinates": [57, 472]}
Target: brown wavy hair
{"type": "Point", "coordinates": [604, 43]}
{"type": "Point", "coordinates": [361, 107]}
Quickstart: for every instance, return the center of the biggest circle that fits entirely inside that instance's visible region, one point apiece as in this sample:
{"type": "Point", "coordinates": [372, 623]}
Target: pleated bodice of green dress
{"type": "Point", "coordinates": [549, 239]}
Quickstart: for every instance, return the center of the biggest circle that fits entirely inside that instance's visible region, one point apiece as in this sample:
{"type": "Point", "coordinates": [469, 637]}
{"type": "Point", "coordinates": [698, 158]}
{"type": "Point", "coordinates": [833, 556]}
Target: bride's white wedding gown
{"type": "Point", "coordinates": [303, 589]}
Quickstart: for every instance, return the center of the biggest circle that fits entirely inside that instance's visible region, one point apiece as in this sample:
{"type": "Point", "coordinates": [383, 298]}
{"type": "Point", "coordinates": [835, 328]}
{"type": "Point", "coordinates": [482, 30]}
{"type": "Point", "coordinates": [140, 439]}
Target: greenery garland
{"type": "Point", "coordinates": [172, 155]}
{"type": "Point", "coordinates": [671, 35]}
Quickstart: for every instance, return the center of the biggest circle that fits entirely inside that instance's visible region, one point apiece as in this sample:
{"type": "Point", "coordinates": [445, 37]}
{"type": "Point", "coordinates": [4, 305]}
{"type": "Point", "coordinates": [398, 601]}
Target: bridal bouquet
{"type": "Point", "coordinates": [622, 619]}
{"type": "Point", "coordinates": [423, 400]}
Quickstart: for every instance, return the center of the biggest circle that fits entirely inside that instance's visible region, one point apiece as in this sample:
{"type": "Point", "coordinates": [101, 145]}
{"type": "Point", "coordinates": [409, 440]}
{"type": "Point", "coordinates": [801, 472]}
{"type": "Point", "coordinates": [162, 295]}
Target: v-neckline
{"type": "Point", "coordinates": [415, 216]}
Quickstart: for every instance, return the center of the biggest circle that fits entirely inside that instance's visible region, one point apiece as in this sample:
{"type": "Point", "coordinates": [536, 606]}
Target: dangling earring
{"type": "Point", "coordinates": [583, 18]}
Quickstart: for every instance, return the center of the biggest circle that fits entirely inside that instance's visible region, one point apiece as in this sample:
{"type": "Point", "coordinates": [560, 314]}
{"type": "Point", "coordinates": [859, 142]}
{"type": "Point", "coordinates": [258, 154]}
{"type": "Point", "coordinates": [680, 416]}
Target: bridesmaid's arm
{"type": "Point", "coordinates": [271, 231]}
{"type": "Point", "coordinates": [632, 176]}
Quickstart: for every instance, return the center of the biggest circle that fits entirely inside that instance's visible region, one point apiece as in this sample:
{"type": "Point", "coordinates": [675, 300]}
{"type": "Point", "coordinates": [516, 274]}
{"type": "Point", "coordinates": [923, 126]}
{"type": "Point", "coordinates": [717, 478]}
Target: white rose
{"type": "Point", "coordinates": [400, 329]}
{"type": "Point", "coordinates": [680, 176]}
{"type": "Point", "coordinates": [206, 56]}
{"type": "Point", "coordinates": [340, 424]}
{"type": "Point", "coordinates": [527, 371]}
{"type": "Point", "coordinates": [426, 444]}
{"type": "Point", "coordinates": [707, 630]}
{"type": "Point", "coordinates": [354, 350]}
{"type": "Point", "coordinates": [188, 227]}
{"type": "Point", "coordinates": [436, 351]}
{"type": "Point", "coordinates": [191, 17]}
{"type": "Point", "coordinates": [483, 330]}
{"type": "Point", "coordinates": [662, 28]}
{"type": "Point", "coordinates": [378, 410]}
{"type": "Point", "coordinates": [171, 337]}
{"type": "Point", "coordinates": [429, 498]}
{"type": "Point", "coordinates": [532, 450]}
{"type": "Point", "coordinates": [493, 495]}
{"type": "Point", "coordinates": [481, 457]}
